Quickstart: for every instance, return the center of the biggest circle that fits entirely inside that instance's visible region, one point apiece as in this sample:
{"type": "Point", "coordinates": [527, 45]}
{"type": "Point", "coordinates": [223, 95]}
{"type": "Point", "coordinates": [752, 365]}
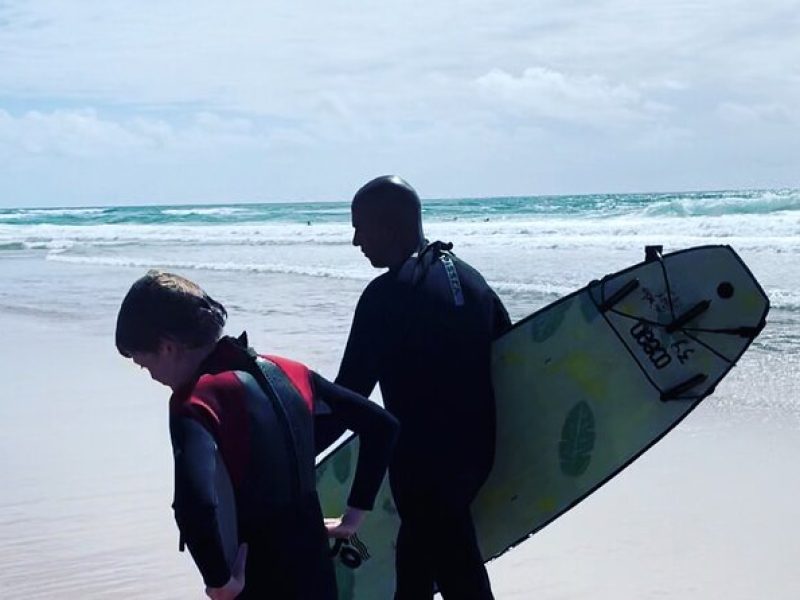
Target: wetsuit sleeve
{"type": "Point", "coordinates": [501, 322]}
{"type": "Point", "coordinates": [377, 431]}
{"type": "Point", "coordinates": [195, 504]}
{"type": "Point", "coordinates": [360, 366]}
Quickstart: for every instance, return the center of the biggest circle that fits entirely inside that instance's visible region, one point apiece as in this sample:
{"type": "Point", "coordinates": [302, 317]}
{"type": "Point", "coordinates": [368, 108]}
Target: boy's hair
{"type": "Point", "coordinates": [163, 305]}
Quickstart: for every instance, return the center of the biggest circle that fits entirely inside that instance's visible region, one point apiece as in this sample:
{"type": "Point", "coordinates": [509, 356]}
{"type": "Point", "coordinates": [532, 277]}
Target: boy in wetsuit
{"type": "Point", "coordinates": [258, 411]}
{"type": "Point", "coordinates": [423, 330]}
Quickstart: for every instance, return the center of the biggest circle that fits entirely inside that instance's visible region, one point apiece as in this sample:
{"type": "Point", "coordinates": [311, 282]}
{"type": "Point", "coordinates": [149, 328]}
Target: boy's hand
{"type": "Point", "coordinates": [235, 584]}
{"type": "Point", "coordinates": [345, 526]}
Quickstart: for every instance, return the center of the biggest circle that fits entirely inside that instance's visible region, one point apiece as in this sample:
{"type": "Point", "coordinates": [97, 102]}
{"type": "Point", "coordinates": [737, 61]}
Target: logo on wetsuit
{"type": "Point", "coordinates": [352, 552]}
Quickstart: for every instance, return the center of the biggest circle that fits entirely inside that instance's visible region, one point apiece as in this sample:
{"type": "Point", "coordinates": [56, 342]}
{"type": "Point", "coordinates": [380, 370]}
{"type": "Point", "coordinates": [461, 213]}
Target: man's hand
{"type": "Point", "coordinates": [235, 584]}
{"type": "Point", "coordinates": [345, 526]}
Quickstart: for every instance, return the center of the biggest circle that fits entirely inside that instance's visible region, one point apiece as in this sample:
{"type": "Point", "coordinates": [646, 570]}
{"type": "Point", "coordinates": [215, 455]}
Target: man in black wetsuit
{"type": "Point", "coordinates": [423, 330]}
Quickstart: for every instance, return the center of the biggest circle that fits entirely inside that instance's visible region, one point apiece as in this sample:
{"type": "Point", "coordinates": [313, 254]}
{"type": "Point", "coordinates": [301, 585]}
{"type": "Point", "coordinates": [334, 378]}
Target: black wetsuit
{"type": "Point", "coordinates": [424, 332]}
{"type": "Point", "coordinates": [278, 511]}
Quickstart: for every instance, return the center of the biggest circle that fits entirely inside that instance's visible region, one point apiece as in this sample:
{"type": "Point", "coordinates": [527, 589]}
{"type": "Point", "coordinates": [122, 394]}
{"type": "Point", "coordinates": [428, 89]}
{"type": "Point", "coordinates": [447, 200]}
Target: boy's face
{"type": "Point", "coordinates": [161, 364]}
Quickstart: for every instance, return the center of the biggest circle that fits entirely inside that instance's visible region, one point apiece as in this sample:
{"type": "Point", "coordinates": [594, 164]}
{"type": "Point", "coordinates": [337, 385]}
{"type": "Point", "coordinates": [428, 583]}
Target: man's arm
{"type": "Point", "coordinates": [501, 322]}
{"type": "Point", "coordinates": [359, 370]}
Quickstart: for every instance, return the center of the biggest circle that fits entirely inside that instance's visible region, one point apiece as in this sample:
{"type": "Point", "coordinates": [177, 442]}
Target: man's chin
{"type": "Point", "coordinates": [377, 263]}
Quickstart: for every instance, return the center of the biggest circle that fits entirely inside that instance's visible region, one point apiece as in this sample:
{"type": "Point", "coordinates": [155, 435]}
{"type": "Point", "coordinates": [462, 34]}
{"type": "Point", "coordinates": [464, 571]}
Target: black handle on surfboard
{"type": "Point", "coordinates": [617, 296]}
{"type": "Point", "coordinates": [652, 253]}
{"type": "Point", "coordinates": [676, 391]}
{"type": "Point", "coordinates": [690, 314]}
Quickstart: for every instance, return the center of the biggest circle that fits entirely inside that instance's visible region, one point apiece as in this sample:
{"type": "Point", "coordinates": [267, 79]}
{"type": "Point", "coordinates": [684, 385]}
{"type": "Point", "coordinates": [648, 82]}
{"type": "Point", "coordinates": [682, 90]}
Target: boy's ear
{"type": "Point", "coordinates": [167, 346]}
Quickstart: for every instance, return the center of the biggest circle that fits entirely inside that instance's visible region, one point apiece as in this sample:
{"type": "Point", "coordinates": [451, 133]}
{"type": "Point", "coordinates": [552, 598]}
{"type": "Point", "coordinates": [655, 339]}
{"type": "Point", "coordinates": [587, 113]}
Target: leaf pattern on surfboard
{"type": "Point", "coordinates": [549, 322]}
{"type": "Point", "coordinates": [577, 440]}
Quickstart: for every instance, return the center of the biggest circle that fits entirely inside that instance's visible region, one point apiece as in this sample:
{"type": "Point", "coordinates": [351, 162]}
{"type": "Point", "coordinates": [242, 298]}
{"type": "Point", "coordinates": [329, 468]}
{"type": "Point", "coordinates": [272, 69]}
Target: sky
{"type": "Point", "coordinates": [105, 102]}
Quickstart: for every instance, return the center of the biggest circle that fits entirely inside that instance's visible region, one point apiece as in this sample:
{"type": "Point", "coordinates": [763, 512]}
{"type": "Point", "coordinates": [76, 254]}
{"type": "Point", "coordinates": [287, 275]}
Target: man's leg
{"type": "Point", "coordinates": [413, 561]}
{"type": "Point", "coordinates": [458, 565]}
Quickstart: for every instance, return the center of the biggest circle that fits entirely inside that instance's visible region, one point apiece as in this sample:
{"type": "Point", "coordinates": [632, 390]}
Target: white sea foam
{"type": "Point", "coordinates": [47, 235]}
{"type": "Point", "coordinates": [222, 211]}
{"type": "Point", "coordinates": [52, 212]}
{"type": "Point", "coordinates": [523, 255]}
{"type": "Point", "coordinates": [778, 232]}
{"type": "Point", "coordinates": [288, 269]}
{"type": "Point", "coordinates": [728, 204]}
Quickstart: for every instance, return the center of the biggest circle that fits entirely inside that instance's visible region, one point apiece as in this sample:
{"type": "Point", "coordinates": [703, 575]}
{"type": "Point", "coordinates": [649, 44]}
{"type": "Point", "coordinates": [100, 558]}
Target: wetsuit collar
{"type": "Point", "coordinates": [229, 354]}
{"type": "Point", "coordinates": [416, 266]}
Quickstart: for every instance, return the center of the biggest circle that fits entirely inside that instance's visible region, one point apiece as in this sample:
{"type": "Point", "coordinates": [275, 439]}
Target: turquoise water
{"type": "Point", "coordinates": [600, 205]}
{"type": "Point", "coordinates": [531, 249]}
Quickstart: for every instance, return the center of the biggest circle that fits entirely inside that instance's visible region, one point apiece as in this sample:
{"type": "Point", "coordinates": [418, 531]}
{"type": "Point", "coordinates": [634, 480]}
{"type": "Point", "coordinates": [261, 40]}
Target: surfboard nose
{"type": "Point", "coordinates": [688, 318]}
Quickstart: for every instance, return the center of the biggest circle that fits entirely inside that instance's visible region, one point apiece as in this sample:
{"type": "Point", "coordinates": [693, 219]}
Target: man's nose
{"type": "Point", "coordinates": [356, 241]}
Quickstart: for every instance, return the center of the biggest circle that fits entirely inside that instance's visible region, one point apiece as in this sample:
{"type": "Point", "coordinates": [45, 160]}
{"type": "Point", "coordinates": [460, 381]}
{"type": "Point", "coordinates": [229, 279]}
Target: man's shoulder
{"type": "Point", "coordinates": [385, 283]}
{"type": "Point", "coordinates": [470, 275]}
{"type": "Point", "coordinates": [464, 265]}
{"type": "Point", "coordinates": [379, 298]}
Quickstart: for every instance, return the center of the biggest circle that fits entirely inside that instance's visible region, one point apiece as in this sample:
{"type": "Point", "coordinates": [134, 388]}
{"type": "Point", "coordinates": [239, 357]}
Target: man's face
{"type": "Point", "coordinates": [375, 237]}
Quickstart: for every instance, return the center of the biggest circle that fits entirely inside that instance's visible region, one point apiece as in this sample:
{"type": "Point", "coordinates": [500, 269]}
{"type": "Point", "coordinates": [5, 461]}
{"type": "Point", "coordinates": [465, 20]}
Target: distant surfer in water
{"type": "Point", "coordinates": [256, 411]}
{"type": "Point", "coordinates": [423, 330]}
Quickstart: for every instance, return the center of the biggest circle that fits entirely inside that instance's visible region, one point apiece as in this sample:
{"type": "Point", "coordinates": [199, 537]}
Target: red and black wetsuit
{"type": "Point", "coordinates": [424, 332]}
{"type": "Point", "coordinates": [259, 413]}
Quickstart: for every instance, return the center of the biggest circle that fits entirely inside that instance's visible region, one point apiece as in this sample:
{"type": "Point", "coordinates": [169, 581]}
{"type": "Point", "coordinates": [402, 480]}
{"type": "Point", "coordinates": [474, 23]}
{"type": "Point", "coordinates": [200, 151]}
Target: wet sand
{"type": "Point", "coordinates": [710, 512]}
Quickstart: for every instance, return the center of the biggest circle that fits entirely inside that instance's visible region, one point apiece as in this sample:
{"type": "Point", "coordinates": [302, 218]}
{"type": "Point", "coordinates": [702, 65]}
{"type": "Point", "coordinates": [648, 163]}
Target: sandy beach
{"type": "Point", "coordinates": [708, 513]}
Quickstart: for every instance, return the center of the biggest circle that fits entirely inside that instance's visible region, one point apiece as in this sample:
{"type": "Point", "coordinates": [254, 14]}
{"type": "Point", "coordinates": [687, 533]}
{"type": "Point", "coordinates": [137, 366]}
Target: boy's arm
{"type": "Point", "coordinates": [194, 450]}
{"type": "Point", "coordinates": [377, 431]}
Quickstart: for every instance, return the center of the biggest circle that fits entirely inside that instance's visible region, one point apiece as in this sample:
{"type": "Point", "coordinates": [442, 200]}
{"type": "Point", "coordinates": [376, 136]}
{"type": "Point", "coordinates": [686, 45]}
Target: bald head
{"type": "Point", "coordinates": [387, 217]}
{"type": "Point", "coordinates": [389, 190]}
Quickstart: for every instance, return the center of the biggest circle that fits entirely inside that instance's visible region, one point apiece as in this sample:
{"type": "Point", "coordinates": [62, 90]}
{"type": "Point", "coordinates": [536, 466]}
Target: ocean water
{"type": "Point", "coordinates": [86, 452]}
{"type": "Point", "coordinates": [531, 249]}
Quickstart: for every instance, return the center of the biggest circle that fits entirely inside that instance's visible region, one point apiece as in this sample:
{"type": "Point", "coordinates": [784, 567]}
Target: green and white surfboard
{"type": "Point", "coordinates": [583, 387]}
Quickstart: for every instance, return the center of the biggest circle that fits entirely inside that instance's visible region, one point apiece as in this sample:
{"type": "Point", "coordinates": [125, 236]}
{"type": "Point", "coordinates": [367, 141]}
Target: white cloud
{"type": "Point", "coordinates": [758, 114]}
{"type": "Point", "coordinates": [664, 83]}
{"type": "Point", "coordinates": [66, 132]}
{"type": "Point", "coordinates": [545, 93]}
{"type": "Point", "coordinates": [85, 133]}
{"type": "Point", "coordinates": [285, 60]}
